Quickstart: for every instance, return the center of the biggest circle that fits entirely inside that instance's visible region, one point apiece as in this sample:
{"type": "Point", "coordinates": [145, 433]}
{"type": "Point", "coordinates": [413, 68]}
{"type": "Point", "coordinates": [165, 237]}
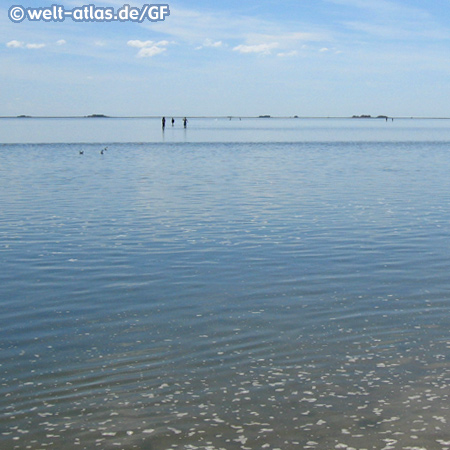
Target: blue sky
{"type": "Point", "coordinates": [242, 58]}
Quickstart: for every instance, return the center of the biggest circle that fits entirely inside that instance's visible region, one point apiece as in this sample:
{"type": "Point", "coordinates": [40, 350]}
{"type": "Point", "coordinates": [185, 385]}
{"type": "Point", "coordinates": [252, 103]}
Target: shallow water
{"type": "Point", "coordinates": [225, 295]}
{"type": "Point", "coordinates": [221, 130]}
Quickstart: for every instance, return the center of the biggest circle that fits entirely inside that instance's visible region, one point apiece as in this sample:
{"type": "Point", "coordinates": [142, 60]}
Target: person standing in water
{"type": "Point", "coordinates": [163, 123]}
{"type": "Point", "coordinates": [173, 121]}
{"type": "Point", "coordinates": [185, 122]}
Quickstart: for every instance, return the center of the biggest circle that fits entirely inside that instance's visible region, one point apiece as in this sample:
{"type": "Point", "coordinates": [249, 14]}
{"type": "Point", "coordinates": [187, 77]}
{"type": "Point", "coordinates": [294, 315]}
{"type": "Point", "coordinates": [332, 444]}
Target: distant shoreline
{"type": "Point", "coordinates": [264, 117]}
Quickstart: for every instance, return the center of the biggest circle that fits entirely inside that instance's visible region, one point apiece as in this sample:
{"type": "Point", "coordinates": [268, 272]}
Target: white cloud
{"type": "Point", "coordinates": [15, 44]}
{"type": "Point", "coordinates": [287, 43]}
{"type": "Point", "coordinates": [148, 48]}
{"type": "Point", "coordinates": [61, 42]}
{"type": "Point", "coordinates": [19, 44]}
{"type": "Point", "coordinates": [324, 49]}
{"type": "Point", "coordinates": [148, 52]}
{"type": "Point", "coordinates": [139, 44]}
{"type": "Point", "coordinates": [257, 48]}
{"type": "Point", "coordinates": [288, 54]}
{"type": "Point", "coordinates": [35, 46]}
{"type": "Point", "coordinates": [209, 43]}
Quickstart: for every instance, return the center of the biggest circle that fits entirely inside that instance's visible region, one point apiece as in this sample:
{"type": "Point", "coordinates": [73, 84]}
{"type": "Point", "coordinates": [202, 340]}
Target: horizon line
{"type": "Point", "coordinates": [264, 116]}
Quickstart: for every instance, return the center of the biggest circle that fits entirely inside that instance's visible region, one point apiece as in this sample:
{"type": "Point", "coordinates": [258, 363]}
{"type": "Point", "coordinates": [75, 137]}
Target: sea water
{"type": "Point", "coordinates": [248, 293]}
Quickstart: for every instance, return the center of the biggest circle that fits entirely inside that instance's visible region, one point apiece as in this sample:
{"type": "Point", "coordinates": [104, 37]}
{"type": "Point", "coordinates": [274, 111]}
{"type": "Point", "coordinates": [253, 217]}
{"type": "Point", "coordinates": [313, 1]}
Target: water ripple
{"type": "Point", "coordinates": [231, 296]}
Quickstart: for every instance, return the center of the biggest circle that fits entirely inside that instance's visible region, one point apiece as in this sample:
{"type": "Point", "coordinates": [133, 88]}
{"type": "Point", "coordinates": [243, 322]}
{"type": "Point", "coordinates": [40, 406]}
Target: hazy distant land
{"type": "Point", "coordinates": [229, 117]}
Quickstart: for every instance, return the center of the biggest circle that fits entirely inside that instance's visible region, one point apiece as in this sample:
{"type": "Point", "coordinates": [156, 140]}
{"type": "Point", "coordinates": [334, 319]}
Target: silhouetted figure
{"type": "Point", "coordinates": [173, 121]}
{"type": "Point", "coordinates": [185, 122]}
{"type": "Point", "coordinates": [163, 122]}
{"type": "Point", "coordinates": [81, 152]}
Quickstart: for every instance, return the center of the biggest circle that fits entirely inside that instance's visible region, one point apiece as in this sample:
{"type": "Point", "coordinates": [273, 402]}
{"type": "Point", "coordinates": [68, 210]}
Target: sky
{"type": "Point", "coordinates": [239, 58]}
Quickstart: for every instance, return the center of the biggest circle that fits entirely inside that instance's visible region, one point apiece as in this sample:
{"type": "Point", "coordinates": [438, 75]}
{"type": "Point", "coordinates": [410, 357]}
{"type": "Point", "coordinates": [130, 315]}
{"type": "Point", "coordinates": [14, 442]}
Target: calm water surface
{"type": "Point", "coordinates": [225, 295]}
{"type": "Point", "coordinates": [220, 130]}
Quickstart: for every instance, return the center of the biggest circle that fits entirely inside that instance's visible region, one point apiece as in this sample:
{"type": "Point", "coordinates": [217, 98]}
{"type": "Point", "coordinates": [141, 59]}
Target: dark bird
{"type": "Point", "coordinates": [81, 152]}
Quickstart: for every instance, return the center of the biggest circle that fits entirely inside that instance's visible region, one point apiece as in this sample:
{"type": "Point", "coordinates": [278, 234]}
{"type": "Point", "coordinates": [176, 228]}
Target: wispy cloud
{"type": "Point", "coordinates": [387, 19]}
{"type": "Point", "coordinates": [35, 46]}
{"type": "Point", "coordinates": [287, 54]}
{"type": "Point", "coordinates": [287, 39]}
{"type": "Point", "coordinates": [209, 43]}
{"type": "Point", "coordinates": [20, 44]}
{"type": "Point", "coordinates": [147, 49]}
{"type": "Point", "coordinates": [264, 49]}
{"type": "Point", "coordinates": [208, 28]}
{"type": "Point", "coordinates": [388, 29]}
{"type": "Point", "coordinates": [288, 43]}
{"type": "Point", "coordinates": [385, 8]}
